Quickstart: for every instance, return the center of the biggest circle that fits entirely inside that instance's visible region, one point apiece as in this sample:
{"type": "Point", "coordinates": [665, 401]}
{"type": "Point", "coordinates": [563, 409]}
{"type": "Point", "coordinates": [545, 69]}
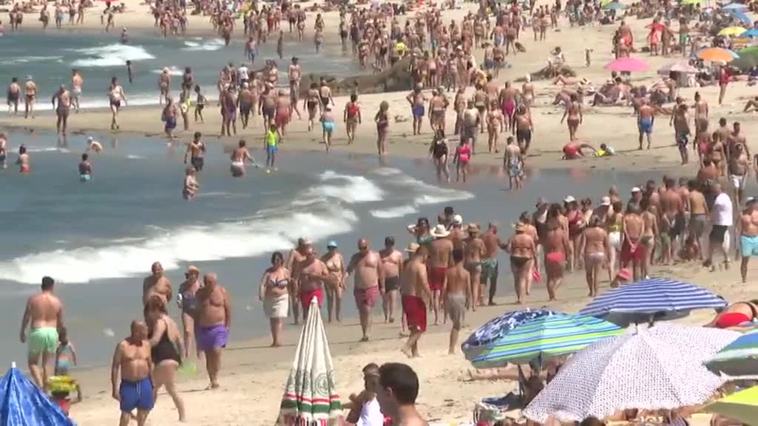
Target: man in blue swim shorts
{"type": "Point", "coordinates": [416, 99]}
{"type": "Point", "coordinates": [748, 235]}
{"type": "Point", "coordinates": [132, 362]}
{"type": "Point", "coordinates": [645, 119]}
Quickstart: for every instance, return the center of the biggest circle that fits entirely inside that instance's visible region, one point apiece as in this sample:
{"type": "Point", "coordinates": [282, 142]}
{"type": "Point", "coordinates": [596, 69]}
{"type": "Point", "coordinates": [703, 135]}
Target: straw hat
{"type": "Point", "coordinates": [439, 231]}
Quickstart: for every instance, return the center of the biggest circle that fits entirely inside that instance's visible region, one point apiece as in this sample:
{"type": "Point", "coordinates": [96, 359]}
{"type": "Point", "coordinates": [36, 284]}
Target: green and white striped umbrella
{"type": "Point", "coordinates": [310, 397]}
{"type": "Point", "coordinates": [739, 358]}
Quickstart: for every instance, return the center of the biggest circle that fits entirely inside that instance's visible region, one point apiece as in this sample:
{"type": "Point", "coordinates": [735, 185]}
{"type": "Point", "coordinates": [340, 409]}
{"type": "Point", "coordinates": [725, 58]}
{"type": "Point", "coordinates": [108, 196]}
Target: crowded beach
{"type": "Point", "coordinates": [633, 305]}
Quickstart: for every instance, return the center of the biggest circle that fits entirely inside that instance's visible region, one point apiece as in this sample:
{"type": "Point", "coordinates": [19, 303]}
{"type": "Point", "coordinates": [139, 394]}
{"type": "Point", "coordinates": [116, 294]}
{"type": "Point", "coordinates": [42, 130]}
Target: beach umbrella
{"type": "Point", "coordinates": [657, 298]}
{"type": "Point", "coordinates": [627, 65]}
{"type": "Point", "coordinates": [22, 403]}
{"type": "Point", "coordinates": [732, 31]}
{"type": "Point", "coordinates": [614, 6]}
{"type": "Point", "coordinates": [310, 397]}
{"type": "Point", "coordinates": [692, 2]}
{"type": "Point", "coordinates": [734, 6]}
{"type": "Point", "coordinates": [646, 369]}
{"type": "Point", "coordinates": [717, 54]}
{"type": "Point", "coordinates": [680, 66]}
{"type": "Point", "coordinates": [741, 406]}
{"type": "Point", "coordinates": [522, 336]}
{"type": "Point", "coordinates": [738, 358]}
{"type": "Point", "coordinates": [741, 16]}
{"type": "Point", "coordinates": [752, 33]}
{"type": "Point", "coordinates": [748, 58]}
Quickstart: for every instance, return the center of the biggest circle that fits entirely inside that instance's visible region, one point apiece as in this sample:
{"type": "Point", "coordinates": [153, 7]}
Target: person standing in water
{"type": "Point", "coordinates": [166, 348]}
{"type": "Point", "coordinates": [196, 152]}
{"type": "Point", "coordinates": [327, 125]}
{"type": "Point", "coordinates": [3, 150]}
{"type": "Point", "coordinates": [273, 293]}
{"type": "Point", "coordinates": [77, 81]}
{"type": "Point", "coordinates": [61, 102]}
{"type": "Point", "coordinates": [191, 186]}
{"type": "Point", "coordinates": [44, 317]}
{"type": "Point", "coordinates": [239, 156]}
{"type": "Point", "coordinates": [30, 92]}
{"type": "Point", "coordinates": [115, 95]}
{"type": "Point", "coordinates": [23, 161]}
{"type": "Point", "coordinates": [85, 169]}
{"type": "Point", "coordinates": [13, 95]}
{"type": "Point", "coordinates": [369, 283]}
{"type": "Point", "coordinates": [271, 143]}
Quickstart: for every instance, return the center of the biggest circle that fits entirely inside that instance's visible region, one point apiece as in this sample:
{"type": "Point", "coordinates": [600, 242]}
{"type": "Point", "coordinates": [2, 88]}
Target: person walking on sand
{"type": "Point", "coordinates": [513, 164]}
{"type": "Point", "coordinates": [392, 267]}
{"type": "Point", "coordinates": [328, 124]}
{"type": "Point", "coordinates": [186, 300]}
{"type": "Point", "coordinates": [61, 102]}
{"type": "Point", "coordinates": [415, 292]}
{"type": "Point", "coordinates": [645, 121]}
{"type": "Point", "coordinates": [352, 118]}
{"type": "Point", "coordinates": [30, 96]}
{"type": "Point", "coordinates": [748, 227]}
{"type": "Point", "coordinates": [213, 322]}
{"type": "Point", "coordinates": [156, 284]}
{"type": "Point", "coordinates": [523, 248]}
{"type": "Point", "coordinates": [573, 116]}
{"type": "Point", "coordinates": [439, 259]}
{"type": "Point", "coordinates": [490, 265]}
{"type": "Point", "coordinates": [273, 293]}
{"type": "Point", "coordinates": [23, 161]}
{"type": "Point", "coordinates": [382, 121]}
{"type": "Point", "coordinates": [77, 82]}
{"type": "Point", "coordinates": [474, 251]}
{"type": "Point", "coordinates": [311, 277]}
{"type": "Point", "coordinates": [399, 387]}
{"type": "Point", "coordinates": [133, 363]}
{"type": "Point", "coordinates": [168, 116]}
{"type": "Point", "coordinates": [457, 295]}
{"type": "Point", "coordinates": [44, 317]}
{"type": "Point", "coordinates": [416, 100]}
{"type": "Point", "coordinates": [369, 283]}
{"type": "Point", "coordinates": [116, 95]}
{"type": "Point", "coordinates": [336, 282]}
{"type": "Point", "coordinates": [85, 169]}
{"type": "Point", "coordinates": [722, 220]}
{"type": "Point", "coordinates": [191, 185]}
{"type": "Point", "coordinates": [596, 251]}
{"type": "Point", "coordinates": [557, 248]}
{"type": "Point", "coordinates": [166, 348]}
{"type": "Point", "coordinates": [271, 144]}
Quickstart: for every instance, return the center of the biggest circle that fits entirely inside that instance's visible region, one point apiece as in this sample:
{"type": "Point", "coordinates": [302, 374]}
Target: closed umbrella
{"type": "Point", "coordinates": [717, 54]}
{"type": "Point", "coordinates": [628, 64]}
{"type": "Point", "coordinates": [522, 336]}
{"type": "Point", "coordinates": [739, 358]}
{"type": "Point", "coordinates": [310, 397]}
{"type": "Point", "coordinates": [741, 406]}
{"type": "Point", "coordinates": [646, 369]}
{"type": "Point", "coordinates": [658, 298]}
{"type": "Point", "coordinates": [22, 403]}
{"type": "Point", "coordinates": [732, 31]}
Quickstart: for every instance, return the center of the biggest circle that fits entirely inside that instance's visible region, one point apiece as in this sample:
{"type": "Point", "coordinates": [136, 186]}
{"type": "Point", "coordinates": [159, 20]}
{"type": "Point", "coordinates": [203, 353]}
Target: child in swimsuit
{"type": "Point", "coordinates": [462, 158]}
{"type": "Point", "coordinates": [65, 355]}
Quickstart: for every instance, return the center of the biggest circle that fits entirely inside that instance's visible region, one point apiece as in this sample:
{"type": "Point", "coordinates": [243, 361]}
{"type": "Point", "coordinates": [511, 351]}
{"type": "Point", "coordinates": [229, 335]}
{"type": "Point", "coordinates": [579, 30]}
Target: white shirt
{"type": "Point", "coordinates": [722, 210]}
{"type": "Point", "coordinates": [371, 414]}
{"type": "Point", "coordinates": [243, 73]}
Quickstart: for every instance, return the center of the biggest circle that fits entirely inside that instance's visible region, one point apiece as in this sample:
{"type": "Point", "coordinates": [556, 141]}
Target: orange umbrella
{"type": "Point", "coordinates": [716, 54]}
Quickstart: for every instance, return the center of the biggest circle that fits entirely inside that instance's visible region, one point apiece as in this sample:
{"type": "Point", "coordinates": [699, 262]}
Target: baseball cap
{"type": "Point", "coordinates": [636, 189]}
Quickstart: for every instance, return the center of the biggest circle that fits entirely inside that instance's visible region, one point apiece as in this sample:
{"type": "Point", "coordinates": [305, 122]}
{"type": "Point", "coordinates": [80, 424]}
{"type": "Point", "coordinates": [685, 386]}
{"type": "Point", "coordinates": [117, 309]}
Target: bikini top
{"type": "Point", "coordinates": [282, 283]}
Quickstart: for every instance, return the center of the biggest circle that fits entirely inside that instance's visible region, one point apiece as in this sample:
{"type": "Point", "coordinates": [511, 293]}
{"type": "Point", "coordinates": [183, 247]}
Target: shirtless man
{"type": "Point", "coordinates": [369, 283]}
{"type": "Point", "coordinates": [392, 266]}
{"type": "Point", "coordinates": [490, 265]}
{"type": "Point", "coordinates": [77, 81]}
{"type": "Point", "coordinates": [196, 152]}
{"type": "Point", "coordinates": [245, 102]}
{"type": "Point", "coordinates": [283, 111]}
{"type": "Point", "coordinates": [672, 218]}
{"type": "Point", "coordinates": [239, 156]}
{"type": "Point", "coordinates": [470, 123]}
{"type": "Point", "coordinates": [645, 121]}
{"type": "Point", "coordinates": [437, 107]}
{"type": "Point", "coordinates": [739, 170]}
{"type": "Point", "coordinates": [440, 251]}
{"type": "Point", "coordinates": [680, 120]}
{"type": "Point", "coordinates": [312, 276]}
{"type": "Point", "coordinates": [295, 73]}
{"type": "Point", "coordinates": [632, 251]}
{"type": "Point", "coordinates": [132, 362]}
{"type": "Point", "coordinates": [44, 316]}
{"type": "Point", "coordinates": [325, 94]}
{"type": "Point", "coordinates": [698, 214]}
{"type": "Point", "coordinates": [457, 295]}
{"type": "Point", "coordinates": [294, 263]}
{"type": "Point", "coordinates": [30, 96]}
{"type": "Point", "coordinates": [415, 293]}
{"type": "Point", "coordinates": [557, 248]}
{"type": "Point", "coordinates": [416, 101]}
{"type": "Point", "coordinates": [701, 115]}
{"type": "Point", "coordinates": [61, 101]}
{"type": "Point", "coordinates": [13, 95]}
{"type": "Point", "coordinates": [748, 236]}
{"type": "Point", "coordinates": [573, 116]}
{"type": "Point", "coordinates": [523, 248]}
{"type": "Point", "coordinates": [474, 252]}
{"type": "Point", "coordinates": [596, 252]}
{"type": "Point", "coordinates": [213, 319]}
{"type": "Point", "coordinates": [524, 128]}
{"type": "Point", "coordinates": [156, 284]}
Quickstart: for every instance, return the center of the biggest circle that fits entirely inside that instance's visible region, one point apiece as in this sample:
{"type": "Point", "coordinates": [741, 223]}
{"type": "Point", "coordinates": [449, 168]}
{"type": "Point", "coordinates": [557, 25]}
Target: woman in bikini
{"type": "Point", "coordinates": [273, 293]}
{"type": "Point", "coordinates": [736, 314]}
{"type": "Point", "coordinates": [336, 282]}
{"type": "Point", "coordinates": [573, 116]}
{"type": "Point", "coordinates": [522, 248]}
{"type": "Point", "coordinates": [382, 127]}
{"type": "Point", "coordinates": [312, 103]}
{"type": "Point", "coordinates": [595, 247]}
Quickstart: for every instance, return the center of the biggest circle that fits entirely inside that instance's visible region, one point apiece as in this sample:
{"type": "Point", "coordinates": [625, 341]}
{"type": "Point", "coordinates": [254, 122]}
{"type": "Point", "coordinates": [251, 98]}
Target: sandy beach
{"type": "Point", "coordinates": [253, 375]}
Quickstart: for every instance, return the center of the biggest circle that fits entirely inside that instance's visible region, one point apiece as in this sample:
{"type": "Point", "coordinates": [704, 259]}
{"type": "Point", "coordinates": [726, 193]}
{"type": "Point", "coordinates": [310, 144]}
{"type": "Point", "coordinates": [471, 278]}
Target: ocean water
{"type": "Point", "coordinates": [98, 239]}
{"type": "Point", "coordinates": [49, 58]}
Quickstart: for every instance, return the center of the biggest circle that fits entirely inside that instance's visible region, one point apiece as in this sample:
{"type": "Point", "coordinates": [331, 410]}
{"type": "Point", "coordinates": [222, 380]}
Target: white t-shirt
{"type": "Point", "coordinates": [722, 210]}
{"type": "Point", "coordinates": [243, 73]}
{"type": "Point", "coordinates": [371, 414]}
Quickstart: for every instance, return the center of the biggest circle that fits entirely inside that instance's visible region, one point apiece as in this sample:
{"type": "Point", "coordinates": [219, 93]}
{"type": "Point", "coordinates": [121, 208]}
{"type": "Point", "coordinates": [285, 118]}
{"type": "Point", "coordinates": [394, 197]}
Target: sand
{"type": "Point", "coordinates": [253, 375]}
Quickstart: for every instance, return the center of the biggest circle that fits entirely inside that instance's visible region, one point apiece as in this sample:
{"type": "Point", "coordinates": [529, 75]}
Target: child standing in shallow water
{"type": "Point", "coordinates": [462, 158]}
{"type": "Point", "coordinates": [65, 355]}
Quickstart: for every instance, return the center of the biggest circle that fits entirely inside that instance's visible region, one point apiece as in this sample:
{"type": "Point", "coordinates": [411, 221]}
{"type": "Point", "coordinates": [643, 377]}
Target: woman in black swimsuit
{"type": "Point", "coordinates": [166, 345]}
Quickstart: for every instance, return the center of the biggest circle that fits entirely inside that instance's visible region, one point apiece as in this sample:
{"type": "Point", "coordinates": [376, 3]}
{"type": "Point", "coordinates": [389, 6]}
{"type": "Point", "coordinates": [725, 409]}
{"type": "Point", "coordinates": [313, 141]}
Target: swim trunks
{"type": "Point", "coordinates": [328, 126]}
{"type": "Point", "coordinates": [717, 234]}
{"type": "Point", "coordinates": [170, 123]}
{"type": "Point", "coordinates": [629, 254]}
{"type": "Point", "coordinates": [307, 295]}
{"type": "Point", "coordinates": [391, 283]}
{"type": "Point", "coordinates": [43, 340]}
{"type": "Point", "coordinates": [456, 308]}
{"type": "Point", "coordinates": [85, 178]}
{"type": "Point", "coordinates": [738, 182]}
{"type": "Point", "coordinates": [418, 111]}
{"type": "Point", "coordinates": [489, 270]}
{"type": "Point", "coordinates": [523, 135]}
{"type": "Point", "coordinates": [749, 245]}
{"type": "Point", "coordinates": [137, 395]}
{"type": "Point", "coordinates": [197, 163]}
{"type": "Point", "coordinates": [437, 277]}
{"type": "Point", "coordinates": [415, 312]}
{"type": "Point", "coordinates": [210, 338]}
{"type": "Point", "coordinates": [645, 125]}
{"type": "Point", "coordinates": [237, 168]}
{"type": "Point", "coordinates": [366, 296]}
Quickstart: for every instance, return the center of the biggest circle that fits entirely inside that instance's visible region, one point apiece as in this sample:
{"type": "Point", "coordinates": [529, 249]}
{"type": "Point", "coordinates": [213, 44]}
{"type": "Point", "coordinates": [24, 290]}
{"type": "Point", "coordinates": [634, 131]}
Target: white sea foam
{"type": "Point", "coordinates": [27, 59]}
{"type": "Point", "coordinates": [134, 157]}
{"type": "Point", "coordinates": [204, 45]}
{"type": "Point", "coordinates": [92, 100]}
{"type": "Point", "coordinates": [430, 194]}
{"type": "Point", "coordinates": [112, 55]}
{"type": "Point", "coordinates": [393, 212]}
{"type": "Point", "coordinates": [45, 149]}
{"type": "Point", "coordinates": [387, 171]}
{"type": "Point", "coordinates": [172, 70]}
{"type": "Point", "coordinates": [357, 189]}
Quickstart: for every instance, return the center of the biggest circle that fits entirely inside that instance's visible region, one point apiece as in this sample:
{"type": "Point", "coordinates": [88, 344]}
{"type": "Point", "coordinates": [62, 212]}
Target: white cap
{"type": "Point", "coordinates": [458, 219]}
{"type": "Point", "coordinates": [605, 201]}
{"type": "Point", "coordinates": [636, 189]}
{"type": "Point", "coordinates": [569, 199]}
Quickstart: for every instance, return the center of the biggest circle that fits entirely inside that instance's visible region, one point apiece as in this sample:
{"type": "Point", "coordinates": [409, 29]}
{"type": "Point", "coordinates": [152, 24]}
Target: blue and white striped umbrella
{"type": "Point", "coordinates": [523, 336]}
{"type": "Point", "coordinates": [653, 296]}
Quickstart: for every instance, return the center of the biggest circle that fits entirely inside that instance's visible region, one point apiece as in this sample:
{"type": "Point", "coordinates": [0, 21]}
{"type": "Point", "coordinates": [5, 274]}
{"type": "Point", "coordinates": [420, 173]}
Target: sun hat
{"type": "Point", "coordinates": [439, 231]}
{"type": "Point", "coordinates": [457, 220]}
{"type": "Point", "coordinates": [331, 244]}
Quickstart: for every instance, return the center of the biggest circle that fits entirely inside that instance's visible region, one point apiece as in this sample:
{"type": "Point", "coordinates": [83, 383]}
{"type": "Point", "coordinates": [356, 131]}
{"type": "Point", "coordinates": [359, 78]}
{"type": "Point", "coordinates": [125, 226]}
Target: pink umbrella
{"type": "Point", "coordinates": [627, 65]}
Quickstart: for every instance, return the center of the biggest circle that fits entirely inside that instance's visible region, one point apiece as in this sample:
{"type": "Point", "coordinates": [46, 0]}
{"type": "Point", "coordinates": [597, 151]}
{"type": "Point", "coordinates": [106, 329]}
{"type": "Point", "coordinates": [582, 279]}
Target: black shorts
{"type": "Point", "coordinates": [197, 163]}
{"type": "Point", "coordinates": [717, 234]}
{"type": "Point", "coordinates": [523, 135]}
{"type": "Point", "coordinates": [391, 283]}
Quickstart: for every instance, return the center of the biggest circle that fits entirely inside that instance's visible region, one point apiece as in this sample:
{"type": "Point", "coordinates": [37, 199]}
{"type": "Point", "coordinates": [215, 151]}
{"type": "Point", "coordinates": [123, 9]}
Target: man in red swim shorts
{"type": "Point", "coordinates": [631, 250]}
{"type": "Point", "coordinates": [440, 257]}
{"type": "Point", "coordinates": [414, 290]}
